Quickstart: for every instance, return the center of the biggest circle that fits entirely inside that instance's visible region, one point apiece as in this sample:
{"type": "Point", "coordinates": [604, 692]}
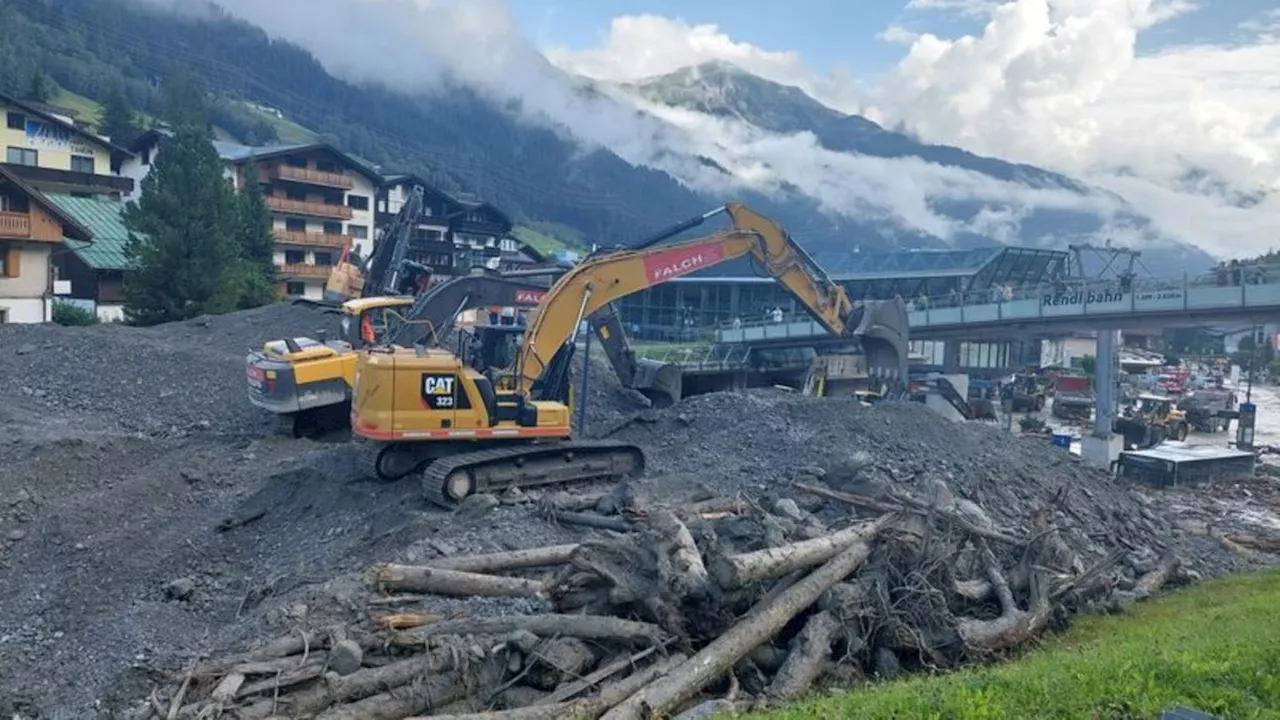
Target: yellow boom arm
{"type": "Point", "coordinates": [599, 280]}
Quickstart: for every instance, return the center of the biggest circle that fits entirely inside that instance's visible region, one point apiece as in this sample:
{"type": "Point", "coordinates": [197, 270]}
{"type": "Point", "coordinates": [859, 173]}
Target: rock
{"type": "Point", "coordinates": [16, 535]}
{"type": "Point", "coordinates": [514, 496]}
{"type": "Point", "coordinates": [787, 507]}
{"type": "Point", "coordinates": [25, 349]}
{"type": "Point", "coordinates": [707, 709]}
{"type": "Point", "coordinates": [886, 664]}
{"type": "Point", "coordinates": [345, 657]}
{"type": "Point", "coordinates": [180, 589]}
{"type": "Point", "coordinates": [477, 504]}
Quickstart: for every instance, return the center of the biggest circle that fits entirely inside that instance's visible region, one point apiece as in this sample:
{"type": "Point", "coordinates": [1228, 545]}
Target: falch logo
{"type": "Point", "coordinates": [529, 297]}
{"type": "Point", "coordinates": [671, 264]}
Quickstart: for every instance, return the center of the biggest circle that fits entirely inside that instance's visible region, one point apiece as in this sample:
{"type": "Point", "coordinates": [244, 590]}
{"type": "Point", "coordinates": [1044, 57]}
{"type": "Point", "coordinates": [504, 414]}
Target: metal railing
{"type": "Point", "coordinates": [311, 239]}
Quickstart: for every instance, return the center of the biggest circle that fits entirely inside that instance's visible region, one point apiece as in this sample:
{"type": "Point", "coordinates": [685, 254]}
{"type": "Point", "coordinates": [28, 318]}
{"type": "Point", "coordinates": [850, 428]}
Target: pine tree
{"type": "Point", "coordinates": [255, 240]}
{"type": "Point", "coordinates": [39, 88]}
{"type": "Point", "coordinates": [183, 231]}
{"type": "Point", "coordinates": [117, 120]}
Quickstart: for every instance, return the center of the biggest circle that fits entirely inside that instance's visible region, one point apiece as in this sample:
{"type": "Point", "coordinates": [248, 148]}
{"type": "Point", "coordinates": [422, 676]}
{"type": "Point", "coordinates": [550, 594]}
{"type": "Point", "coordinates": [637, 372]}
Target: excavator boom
{"type": "Point", "coordinates": [601, 279]}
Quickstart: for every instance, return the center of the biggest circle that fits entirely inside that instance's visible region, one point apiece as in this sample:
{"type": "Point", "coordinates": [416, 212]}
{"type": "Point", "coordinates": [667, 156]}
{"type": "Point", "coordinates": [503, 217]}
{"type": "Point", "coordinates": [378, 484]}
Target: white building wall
{"type": "Point", "coordinates": [360, 226]}
{"type": "Point", "coordinates": [136, 169]}
{"type": "Point", "coordinates": [24, 310]}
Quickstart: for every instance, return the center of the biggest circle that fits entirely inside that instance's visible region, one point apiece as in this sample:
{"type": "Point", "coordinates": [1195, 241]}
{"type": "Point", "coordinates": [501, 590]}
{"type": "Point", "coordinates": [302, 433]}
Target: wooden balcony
{"type": "Point", "coordinates": [15, 225]}
{"type": "Point", "coordinates": [310, 209]}
{"type": "Point", "coordinates": [311, 239]}
{"type": "Point", "coordinates": [300, 271]}
{"type": "Point", "coordinates": [314, 177]}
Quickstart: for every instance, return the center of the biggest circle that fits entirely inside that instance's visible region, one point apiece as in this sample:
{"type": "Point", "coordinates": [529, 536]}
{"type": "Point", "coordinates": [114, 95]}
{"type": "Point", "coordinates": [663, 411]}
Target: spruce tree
{"type": "Point", "coordinates": [255, 240]}
{"type": "Point", "coordinates": [117, 120]}
{"type": "Point", "coordinates": [183, 231]}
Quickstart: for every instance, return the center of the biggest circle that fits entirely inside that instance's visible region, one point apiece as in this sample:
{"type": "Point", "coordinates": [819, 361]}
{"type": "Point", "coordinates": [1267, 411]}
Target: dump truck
{"type": "Point", "coordinates": [1202, 408]}
{"type": "Point", "coordinates": [1072, 398]}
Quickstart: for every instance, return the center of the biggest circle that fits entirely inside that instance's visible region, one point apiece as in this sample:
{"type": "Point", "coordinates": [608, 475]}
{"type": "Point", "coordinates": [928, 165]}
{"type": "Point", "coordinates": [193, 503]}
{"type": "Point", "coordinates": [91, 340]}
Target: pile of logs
{"type": "Point", "coordinates": [721, 602]}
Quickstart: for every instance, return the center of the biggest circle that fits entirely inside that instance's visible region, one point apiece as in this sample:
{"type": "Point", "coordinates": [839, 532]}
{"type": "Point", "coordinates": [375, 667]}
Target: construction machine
{"type": "Point", "coordinates": [1154, 419]}
{"type": "Point", "coordinates": [1209, 409]}
{"type": "Point", "coordinates": [308, 382]}
{"type": "Point", "coordinates": [417, 408]}
{"type": "Point", "coordinates": [1072, 397]}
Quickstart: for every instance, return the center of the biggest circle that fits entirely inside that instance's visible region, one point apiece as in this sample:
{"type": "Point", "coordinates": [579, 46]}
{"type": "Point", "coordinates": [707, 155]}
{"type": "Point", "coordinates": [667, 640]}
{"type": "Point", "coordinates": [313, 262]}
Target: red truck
{"type": "Point", "coordinates": [1072, 397]}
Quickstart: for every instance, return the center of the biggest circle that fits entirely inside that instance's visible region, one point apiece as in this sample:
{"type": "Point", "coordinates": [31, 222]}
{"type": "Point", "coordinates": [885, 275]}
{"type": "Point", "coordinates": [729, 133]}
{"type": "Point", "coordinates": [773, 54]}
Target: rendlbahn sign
{"type": "Point", "coordinates": [1103, 297]}
{"type": "Point", "coordinates": [1090, 297]}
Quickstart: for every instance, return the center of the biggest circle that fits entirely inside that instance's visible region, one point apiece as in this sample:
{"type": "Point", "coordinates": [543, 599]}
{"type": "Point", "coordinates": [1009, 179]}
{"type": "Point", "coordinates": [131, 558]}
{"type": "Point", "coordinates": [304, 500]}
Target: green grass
{"type": "Point", "coordinates": [541, 242]}
{"type": "Point", "coordinates": [1214, 647]}
{"type": "Point", "coordinates": [289, 132]}
{"type": "Point", "coordinates": [86, 109]}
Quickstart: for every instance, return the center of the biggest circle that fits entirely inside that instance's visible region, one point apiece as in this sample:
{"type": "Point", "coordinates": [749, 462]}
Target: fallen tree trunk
{"type": "Point", "coordinates": [589, 627]}
{"type": "Point", "coordinates": [588, 709]}
{"type": "Point", "coordinates": [735, 571]}
{"type": "Point", "coordinates": [592, 520]}
{"type": "Point", "coordinates": [420, 696]}
{"type": "Point", "coordinates": [356, 686]}
{"type": "Point", "coordinates": [273, 650]}
{"type": "Point", "coordinates": [498, 562]}
{"type": "Point", "coordinates": [1014, 626]}
{"type": "Point", "coordinates": [675, 543]}
{"type": "Point", "coordinates": [809, 658]}
{"type": "Point", "coordinates": [661, 697]}
{"type": "Point", "coordinates": [416, 578]}
{"type": "Point", "coordinates": [1152, 581]}
{"type": "Point", "coordinates": [569, 690]}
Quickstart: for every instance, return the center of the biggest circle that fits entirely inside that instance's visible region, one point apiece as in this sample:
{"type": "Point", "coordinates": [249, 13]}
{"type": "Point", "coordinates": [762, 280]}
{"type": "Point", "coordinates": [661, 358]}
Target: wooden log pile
{"type": "Point", "coordinates": [723, 602]}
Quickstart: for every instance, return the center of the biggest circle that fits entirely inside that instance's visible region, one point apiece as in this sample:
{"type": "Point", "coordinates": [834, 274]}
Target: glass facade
{"type": "Point", "coordinates": [683, 309]}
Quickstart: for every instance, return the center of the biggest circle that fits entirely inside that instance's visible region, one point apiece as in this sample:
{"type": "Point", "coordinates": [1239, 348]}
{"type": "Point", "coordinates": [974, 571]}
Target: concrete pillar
{"type": "Point", "coordinates": [1101, 447]}
{"type": "Point", "coordinates": [951, 356]}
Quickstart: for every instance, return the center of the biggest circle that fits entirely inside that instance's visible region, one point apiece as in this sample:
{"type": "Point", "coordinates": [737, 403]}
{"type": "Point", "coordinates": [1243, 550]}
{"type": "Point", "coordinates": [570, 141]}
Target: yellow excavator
{"type": "Point", "coordinates": [428, 409]}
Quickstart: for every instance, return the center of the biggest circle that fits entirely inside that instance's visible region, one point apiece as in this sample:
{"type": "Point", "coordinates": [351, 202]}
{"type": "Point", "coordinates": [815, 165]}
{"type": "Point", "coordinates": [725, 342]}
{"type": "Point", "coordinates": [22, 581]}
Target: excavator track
{"type": "Point", "coordinates": [450, 479]}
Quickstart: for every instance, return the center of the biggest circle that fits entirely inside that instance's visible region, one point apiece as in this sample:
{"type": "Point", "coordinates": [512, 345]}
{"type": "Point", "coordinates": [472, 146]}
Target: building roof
{"type": "Point", "coordinates": [71, 226]}
{"type": "Point", "coordinates": [105, 218]}
{"type": "Point", "coordinates": [237, 153]}
{"type": "Point", "coordinates": [70, 127]}
{"type": "Point", "coordinates": [907, 263]}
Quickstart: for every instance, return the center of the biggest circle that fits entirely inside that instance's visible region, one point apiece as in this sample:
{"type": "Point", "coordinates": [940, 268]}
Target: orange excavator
{"type": "Point", "coordinates": [428, 411]}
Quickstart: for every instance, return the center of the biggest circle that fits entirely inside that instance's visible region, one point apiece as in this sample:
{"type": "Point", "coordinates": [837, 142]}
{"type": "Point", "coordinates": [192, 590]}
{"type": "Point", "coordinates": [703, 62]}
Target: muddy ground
{"type": "Point", "coordinates": [149, 514]}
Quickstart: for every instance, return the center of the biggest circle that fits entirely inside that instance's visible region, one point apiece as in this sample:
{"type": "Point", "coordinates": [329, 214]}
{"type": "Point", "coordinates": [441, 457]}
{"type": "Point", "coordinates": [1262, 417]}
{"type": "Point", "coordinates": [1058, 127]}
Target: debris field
{"type": "Point", "coordinates": [163, 553]}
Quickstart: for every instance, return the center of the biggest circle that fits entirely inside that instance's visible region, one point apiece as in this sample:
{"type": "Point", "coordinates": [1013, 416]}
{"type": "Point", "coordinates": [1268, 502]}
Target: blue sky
{"type": "Point", "coordinates": [828, 33]}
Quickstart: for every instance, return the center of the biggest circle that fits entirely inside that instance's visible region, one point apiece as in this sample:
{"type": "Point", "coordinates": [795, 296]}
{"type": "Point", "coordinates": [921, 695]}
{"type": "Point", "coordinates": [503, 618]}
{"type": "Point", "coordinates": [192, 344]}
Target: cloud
{"type": "Point", "coordinates": [1059, 84]}
{"type": "Point", "coordinates": [642, 46]}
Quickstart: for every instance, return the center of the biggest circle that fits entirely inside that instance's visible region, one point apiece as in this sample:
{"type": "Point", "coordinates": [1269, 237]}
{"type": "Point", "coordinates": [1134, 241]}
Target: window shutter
{"type": "Point", "coordinates": [11, 262]}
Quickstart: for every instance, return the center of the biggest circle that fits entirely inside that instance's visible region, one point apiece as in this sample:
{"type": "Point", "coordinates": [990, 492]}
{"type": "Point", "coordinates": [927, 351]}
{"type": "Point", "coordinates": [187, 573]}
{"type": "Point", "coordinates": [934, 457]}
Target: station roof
{"type": "Point", "coordinates": [995, 265]}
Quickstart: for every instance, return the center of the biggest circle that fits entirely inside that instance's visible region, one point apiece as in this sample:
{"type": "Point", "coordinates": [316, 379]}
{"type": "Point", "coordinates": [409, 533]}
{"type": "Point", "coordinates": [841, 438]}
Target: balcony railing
{"type": "Point", "coordinates": [312, 209]}
{"type": "Point", "coordinates": [300, 270]}
{"type": "Point", "coordinates": [311, 239]}
{"type": "Point", "coordinates": [314, 177]}
{"type": "Point", "coordinates": [15, 225]}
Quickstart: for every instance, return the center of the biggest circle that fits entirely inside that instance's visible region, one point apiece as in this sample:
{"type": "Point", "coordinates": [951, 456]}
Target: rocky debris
{"type": "Point", "coordinates": [756, 609]}
{"type": "Point", "coordinates": [167, 380]}
{"type": "Point", "coordinates": [132, 458]}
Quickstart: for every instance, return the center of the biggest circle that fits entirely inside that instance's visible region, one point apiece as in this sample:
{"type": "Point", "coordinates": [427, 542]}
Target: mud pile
{"type": "Point", "coordinates": [147, 516]}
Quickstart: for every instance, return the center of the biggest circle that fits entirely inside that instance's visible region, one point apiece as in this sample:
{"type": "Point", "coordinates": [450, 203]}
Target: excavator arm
{"type": "Point", "coordinates": [601, 279]}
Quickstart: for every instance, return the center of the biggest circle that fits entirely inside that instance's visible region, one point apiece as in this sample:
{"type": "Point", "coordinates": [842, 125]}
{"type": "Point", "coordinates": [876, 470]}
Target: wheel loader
{"type": "Point", "coordinates": [429, 412]}
{"type": "Point", "coordinates": [1154, 419]}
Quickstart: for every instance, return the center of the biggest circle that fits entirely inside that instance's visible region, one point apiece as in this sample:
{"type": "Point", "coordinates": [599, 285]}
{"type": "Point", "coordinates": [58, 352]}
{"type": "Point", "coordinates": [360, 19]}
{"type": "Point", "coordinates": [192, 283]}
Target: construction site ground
{"type": "Point", "coordinates": [149, 514]}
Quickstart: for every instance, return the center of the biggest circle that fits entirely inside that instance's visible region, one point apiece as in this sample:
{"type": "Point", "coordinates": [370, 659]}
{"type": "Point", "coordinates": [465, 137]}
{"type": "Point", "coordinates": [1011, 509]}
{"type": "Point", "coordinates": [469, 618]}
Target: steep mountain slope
{"type": "Point", "coordinates": [463, 140]}
{"type": "Point", "coordinates": [722, 90]}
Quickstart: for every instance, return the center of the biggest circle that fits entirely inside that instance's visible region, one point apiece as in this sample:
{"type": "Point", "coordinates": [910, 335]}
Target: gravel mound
{"type": "Point", "coordinates": [148, 513]}
{"type": "Point", "coordinates": [165, 380]}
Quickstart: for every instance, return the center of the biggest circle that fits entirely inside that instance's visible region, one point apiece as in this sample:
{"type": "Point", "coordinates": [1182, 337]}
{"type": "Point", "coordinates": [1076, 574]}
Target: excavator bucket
{"type": "Point", "coordinates": [661, 382]}
{"type": "Point", "coordinates": [882, 330]}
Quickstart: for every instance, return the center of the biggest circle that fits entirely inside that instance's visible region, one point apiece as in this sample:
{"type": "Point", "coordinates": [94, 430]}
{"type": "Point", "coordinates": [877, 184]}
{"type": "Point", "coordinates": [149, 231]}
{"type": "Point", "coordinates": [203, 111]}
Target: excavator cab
{"type": "Point", "coordinates": [1154, 419]}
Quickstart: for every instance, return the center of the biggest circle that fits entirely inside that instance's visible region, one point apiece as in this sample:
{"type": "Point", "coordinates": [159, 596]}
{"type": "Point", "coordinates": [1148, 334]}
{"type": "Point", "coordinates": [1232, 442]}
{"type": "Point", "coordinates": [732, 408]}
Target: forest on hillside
{"type": "Point", "coordinates": [460, 142]}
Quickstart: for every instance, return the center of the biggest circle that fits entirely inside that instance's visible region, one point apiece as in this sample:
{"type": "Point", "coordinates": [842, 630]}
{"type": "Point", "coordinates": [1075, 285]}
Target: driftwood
{"type": "Point", "coordinates": [498, 562]}
{"type": "Point", "coordinates": [588, 627]}
{"type": "Point", "coordinates": [809, 657]}
{"type": "Point", "coordinates": [588, 709]}
{"type": "Point", "coordinates": [592, 520]}
{"type": "Point", "coordinates": [664, 695]}
{"type": "Point", "coordinates": [770, 602]}
{"type": "Point", "coordinates": [735, 571]}
{"type": "Point", "coordinates": [416, 578]}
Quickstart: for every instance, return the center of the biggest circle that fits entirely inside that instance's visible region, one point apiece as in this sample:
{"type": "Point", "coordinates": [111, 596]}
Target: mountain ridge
{"type": "Point", "coordinates": [457, 137]}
